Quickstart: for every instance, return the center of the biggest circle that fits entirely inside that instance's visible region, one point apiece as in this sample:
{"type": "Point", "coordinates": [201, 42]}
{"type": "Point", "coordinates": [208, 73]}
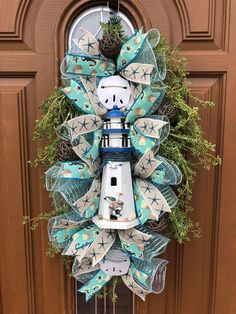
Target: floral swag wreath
{"type": "Point", "coordinates": [119, 181]}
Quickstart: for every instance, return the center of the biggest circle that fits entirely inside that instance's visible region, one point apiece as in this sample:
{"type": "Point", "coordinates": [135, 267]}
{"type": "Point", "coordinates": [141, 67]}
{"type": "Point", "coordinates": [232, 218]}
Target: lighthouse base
{"type": "Point", "coordinates": [114, 224]}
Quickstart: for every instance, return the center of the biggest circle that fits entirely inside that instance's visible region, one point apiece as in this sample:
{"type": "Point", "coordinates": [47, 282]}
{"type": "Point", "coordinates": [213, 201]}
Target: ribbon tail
{"type": "Point", "coordinates": [149, 201]}
{"type": "Point", "coordinates": [134, 236]}
{"type": "Point", "coordinates": [145, 101]}
{"type": "Point", "coordinates": [95, 284]}
{"type": "Point", "coordinates": [91, 89]}
{"type": "Point", "coordinates": [150, 276]}
{"type": "Point", "coordinates": [165, 173]}
{"type": "Point", "coordinates": [81, 240]}
{"type": "Point", "coordinates": [61, 230]}
{"type": "Point", "coordinates": [82, 270]}
{"type": "Point", "coordinates": [134, 286]}
{"type": "Point", "coordinates": [76, 93]}
{"type": "Point", "coordinates": [87, 43]}
{"type": "Point", "coordinates": [146, 165]}
{"type": "Point", "coordinates": [101, 246]}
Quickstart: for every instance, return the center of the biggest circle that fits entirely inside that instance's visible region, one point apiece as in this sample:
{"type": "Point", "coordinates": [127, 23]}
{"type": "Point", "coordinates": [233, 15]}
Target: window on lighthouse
{"type": "Point", "coordinates": [113, 181]}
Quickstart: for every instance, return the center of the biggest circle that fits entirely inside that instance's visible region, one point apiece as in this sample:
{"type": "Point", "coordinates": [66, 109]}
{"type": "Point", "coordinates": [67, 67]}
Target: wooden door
{"type": "Point", "coordinates": [33, 37]}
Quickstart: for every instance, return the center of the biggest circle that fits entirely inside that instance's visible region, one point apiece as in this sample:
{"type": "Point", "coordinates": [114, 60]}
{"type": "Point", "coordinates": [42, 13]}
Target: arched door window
{"type": "Point", "coordinates": [91, 19]}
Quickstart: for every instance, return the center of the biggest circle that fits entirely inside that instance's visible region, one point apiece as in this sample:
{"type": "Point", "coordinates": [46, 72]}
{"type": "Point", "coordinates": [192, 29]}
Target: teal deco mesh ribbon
{"type": "Point", "coordinates": [76, 185]}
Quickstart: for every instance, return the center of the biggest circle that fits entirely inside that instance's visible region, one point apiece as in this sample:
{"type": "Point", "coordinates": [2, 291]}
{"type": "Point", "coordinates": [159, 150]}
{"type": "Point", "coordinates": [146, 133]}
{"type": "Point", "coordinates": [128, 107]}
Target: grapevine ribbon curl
{"type": "Point", "coordinates": [76, 185]}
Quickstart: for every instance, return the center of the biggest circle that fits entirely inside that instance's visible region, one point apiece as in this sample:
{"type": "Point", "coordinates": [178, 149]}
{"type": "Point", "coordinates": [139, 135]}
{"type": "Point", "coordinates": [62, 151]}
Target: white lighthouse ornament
{"type": "Point", "coordinates": [116, 208]}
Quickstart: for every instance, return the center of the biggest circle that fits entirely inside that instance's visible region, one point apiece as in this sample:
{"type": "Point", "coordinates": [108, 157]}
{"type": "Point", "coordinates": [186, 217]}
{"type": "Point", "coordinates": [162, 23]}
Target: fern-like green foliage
{"type": "Point", "coordinates": [185, 146]}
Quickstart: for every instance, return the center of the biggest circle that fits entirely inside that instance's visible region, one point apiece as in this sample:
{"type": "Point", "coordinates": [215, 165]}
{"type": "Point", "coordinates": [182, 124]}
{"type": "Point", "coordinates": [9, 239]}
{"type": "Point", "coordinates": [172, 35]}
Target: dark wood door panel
{"type": "Point", "coordinates": [33, 39]}
{"type": "Point", "coordinates": [16, 246]}
{"type": "Point", "coordinates": [191, 272]}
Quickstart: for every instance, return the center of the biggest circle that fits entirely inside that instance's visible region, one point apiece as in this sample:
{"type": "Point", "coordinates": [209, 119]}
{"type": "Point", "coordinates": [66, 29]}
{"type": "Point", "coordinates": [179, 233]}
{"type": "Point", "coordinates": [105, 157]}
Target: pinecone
{"type": "Point", "coordinates": [65, 152]}
{"type": "Point", "coordinates": [167, 109]}
{"type": "Point", "coordinates": [110, 46]}
{"type": "Point", "coordinates": [158, 226]}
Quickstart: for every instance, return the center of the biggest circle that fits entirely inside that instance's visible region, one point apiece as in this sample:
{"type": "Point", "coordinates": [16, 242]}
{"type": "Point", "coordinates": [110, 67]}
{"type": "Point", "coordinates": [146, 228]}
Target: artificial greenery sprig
{"type": "Point", "coordinates": [185, 145]}
{"type": "Point", "coordinates": [114, 27]}
{"type": "Point", "coordinates": [185, 138]}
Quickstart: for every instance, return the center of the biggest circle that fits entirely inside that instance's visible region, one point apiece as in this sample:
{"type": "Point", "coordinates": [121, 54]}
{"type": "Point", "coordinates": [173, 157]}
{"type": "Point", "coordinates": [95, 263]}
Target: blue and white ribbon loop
{"type": "Point", "coordinates": [84, 133]}
{"type": "Point", "coordinates": [147, 133]}
{"type": "Point", "coordinates": [149, 200]}
{"type": "Point", "coordinates": [76, 92]}
{"type": "Point", "coordinates": [145, 101]}
{"type": "Point", "coordinates": [82, 195]}
{"type": "Point", "coordinates": [61, 229]}
{"type": "Point", "coordinates": [132, 63]}
{"type": "Point", "coordinates": [157, 169]}
{"type": "Point", "coordinates": [88, 66]}
{"type": "Point", "coordinates": [87, 43]}
{"type": "Point", "coordinates": [63, 173]}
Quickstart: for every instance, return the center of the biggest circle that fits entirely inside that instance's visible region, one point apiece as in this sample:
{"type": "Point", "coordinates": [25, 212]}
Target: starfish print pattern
{"type": "Point", "coordinates": [95, 121]}
{"type": "Point", "coordinates": [147, 188]}
{"type": "Point", "coordinates": [152, 128]}
{"type": "Point", "coordinates": [89, 45]}
{"type": "Point", "coordinates": [94, 254]}
{"type": "Point", "coordinates": [73, 128]}
{"type": "Point", "coordinates": [81, 39]}
{"type": "Point", "coordinates": [130, 236]}
{"type": "Point", "coordinates": [88, 79]}
{"type": "Point", "coordinates": [85, 150]}
{"type": "Point", "coordinates": [89, 264]}
{"type": "Point", "coordinates": [102, 244]}
{"type": "Point", "coordinates": [83, 124]}
{"type": "Point", "coordinates": [110, 233]}
{"type": "Point", "coordinates": [154, 199]}
{"type": "Point", "coordinates": [143, 168]}
{"type": "Point", "coordinates": [92, 91]}
{"type": "Point", "coordinates": [86, 200]}
{"type": "Point", "coordinates": [144, 126]}
{"type": "Point", "coordinates": [145, 74]}
{"type": "Point", "coordinates": [134, 72]}
{"type": "Point", "coordinates": [149, 160]}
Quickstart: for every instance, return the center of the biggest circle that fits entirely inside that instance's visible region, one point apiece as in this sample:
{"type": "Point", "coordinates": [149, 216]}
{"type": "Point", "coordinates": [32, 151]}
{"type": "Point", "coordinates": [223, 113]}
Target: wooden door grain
{"type": "Point", "coordinates": [201, 276]}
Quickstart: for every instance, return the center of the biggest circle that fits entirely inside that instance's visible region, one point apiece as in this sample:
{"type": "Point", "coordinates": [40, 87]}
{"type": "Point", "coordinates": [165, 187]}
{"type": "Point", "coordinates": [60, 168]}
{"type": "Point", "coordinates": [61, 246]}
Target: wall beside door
{"type": "Point", "coordinates": [33, 39]}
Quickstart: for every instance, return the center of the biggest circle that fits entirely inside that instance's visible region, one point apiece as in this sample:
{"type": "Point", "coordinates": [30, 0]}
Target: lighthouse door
{"type": "Point", "coordinates": [34, 36]}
